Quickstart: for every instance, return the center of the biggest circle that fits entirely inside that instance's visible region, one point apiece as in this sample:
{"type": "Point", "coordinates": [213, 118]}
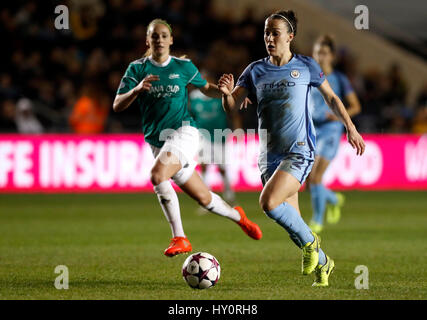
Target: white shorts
{"type": "Point", "coordinates": [184, 144]}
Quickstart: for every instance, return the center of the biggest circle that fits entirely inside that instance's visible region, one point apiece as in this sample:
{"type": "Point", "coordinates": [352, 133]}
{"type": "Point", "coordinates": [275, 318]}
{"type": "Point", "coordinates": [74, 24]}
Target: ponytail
{"type": "Point", "coordinates": [147, 53]}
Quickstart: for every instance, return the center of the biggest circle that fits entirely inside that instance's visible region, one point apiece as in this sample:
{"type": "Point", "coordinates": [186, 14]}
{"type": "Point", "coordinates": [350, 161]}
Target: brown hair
{"type": "Point", "coordinates": [289, 18]}
{"type": "Point", "coordinates": [327, 40]}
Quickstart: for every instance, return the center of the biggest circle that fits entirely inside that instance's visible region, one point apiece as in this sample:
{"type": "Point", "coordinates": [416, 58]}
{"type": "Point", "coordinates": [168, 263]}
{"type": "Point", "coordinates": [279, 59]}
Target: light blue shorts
{"type": "Point", "coordinates": [298, 165]}
{"type": "Point", "coordinates": [328, 138]}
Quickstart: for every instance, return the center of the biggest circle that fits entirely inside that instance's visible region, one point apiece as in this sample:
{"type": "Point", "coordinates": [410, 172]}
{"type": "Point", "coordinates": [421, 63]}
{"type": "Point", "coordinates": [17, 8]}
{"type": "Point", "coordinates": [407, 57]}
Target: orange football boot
{"type": "Point", "coordinates": [178, 245]}
{"type": "Point", "coordinates": [249, 227]}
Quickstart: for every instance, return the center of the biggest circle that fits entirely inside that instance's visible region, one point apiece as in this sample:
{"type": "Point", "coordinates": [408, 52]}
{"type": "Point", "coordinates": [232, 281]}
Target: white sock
{"type": "Point", "coordinates": [170, 206]}
{"type": "Point", "coordinates": [220, 207]}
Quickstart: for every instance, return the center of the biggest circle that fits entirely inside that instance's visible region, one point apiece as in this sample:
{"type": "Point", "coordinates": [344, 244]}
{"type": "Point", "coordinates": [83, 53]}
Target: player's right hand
{"type": "Point", "coordinates": [356, 141]}
{"type": "Point", "coordinates": [226, 84]}
{"type": "Point", "coordinates": [145, 84]}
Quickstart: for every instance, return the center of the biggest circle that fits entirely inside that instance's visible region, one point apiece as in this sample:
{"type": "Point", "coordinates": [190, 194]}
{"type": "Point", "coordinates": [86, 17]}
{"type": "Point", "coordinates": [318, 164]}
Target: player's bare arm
{"type": "Point", "coordinates": [123, 101]}
{"type": "Point", "coordinates": [211, 90]}
{"type": "Point", "coordinates": [353, 107]}
{"type": "Point", "coordinates": [353, 104]}
{"type": "Point", "coordinates": [336, 105]}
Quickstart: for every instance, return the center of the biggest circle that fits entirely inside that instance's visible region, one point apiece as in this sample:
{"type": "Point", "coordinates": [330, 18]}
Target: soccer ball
{"type": "Point", "coordinates": [201, 270]}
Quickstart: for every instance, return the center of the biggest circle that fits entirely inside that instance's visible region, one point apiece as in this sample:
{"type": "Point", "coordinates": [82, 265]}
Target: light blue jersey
{"type": "Point", "coordinates": [283, 94]}
{"type": "Point", "coordinates": [328, 133]}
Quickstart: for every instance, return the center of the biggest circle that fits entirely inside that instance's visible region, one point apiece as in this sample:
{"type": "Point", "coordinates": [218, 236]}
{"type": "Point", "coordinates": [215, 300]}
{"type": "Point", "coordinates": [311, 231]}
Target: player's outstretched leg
{"type": "Point", "coordinates": [249, 227]}
{"type": "Point", "coordinates": [289, 218]}
{"type": "Point", "coordinates": [283, 184]}
{"type": "Point", "coordinates": [218, 206]}
{"type": "Point", "coordinates": [196, 189]}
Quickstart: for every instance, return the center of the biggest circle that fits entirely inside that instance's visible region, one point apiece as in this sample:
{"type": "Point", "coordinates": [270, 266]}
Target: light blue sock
{"type": "Point", "coordinates": [318, 202]}
{"type": "Point", "coordinates": [295, 239]}
{"type": "Point", "coordinates": [330, 196]}
{"type": "Point", "coordinates": [288, 217]}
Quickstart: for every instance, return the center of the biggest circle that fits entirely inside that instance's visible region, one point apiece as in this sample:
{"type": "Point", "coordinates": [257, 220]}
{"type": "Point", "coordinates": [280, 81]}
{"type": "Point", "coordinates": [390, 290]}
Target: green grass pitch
{"type": "Point", "coordinates": [113, 247]}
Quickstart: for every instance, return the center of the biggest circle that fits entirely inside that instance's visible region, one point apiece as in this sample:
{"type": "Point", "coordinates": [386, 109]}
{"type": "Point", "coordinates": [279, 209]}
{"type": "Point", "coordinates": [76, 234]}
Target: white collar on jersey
{"type": "Point", "coordinates": [164, 64]}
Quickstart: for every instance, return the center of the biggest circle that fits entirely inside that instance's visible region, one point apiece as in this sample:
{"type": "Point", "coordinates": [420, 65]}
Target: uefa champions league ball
{"type": "Point", "coordinates": [201, 270]}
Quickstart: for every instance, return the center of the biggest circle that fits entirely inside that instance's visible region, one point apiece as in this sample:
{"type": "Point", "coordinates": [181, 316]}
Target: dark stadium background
{"type": "Point", "coordinates": [53, 68]}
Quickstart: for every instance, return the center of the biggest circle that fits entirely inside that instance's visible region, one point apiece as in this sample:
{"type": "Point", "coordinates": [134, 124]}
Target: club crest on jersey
{"type": "Point", "coordinates": [295, 74]}
{"type": "Point", "coordinates": [173, 76]}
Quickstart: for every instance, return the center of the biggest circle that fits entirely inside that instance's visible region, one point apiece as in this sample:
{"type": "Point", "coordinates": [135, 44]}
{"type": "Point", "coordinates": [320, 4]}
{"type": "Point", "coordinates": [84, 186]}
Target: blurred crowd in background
{"type": "Point", "coordinates": [65, 80]}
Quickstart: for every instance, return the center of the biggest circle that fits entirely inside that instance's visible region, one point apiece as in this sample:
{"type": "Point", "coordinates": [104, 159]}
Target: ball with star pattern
{"type": "Point", "coordinates": [201, 270]}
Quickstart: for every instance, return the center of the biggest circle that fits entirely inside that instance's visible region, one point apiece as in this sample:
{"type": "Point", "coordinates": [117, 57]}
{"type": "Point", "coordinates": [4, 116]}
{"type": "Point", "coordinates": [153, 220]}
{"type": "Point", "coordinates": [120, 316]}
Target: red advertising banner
{"type": "Point", "coordinates": [122, 163]}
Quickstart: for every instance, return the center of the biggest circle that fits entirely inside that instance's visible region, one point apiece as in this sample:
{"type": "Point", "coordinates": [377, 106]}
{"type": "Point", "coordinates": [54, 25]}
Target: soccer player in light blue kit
{"type": "Point", "coordinates": [328, 134]}
{"type": "Point", "coordinates": [282, 83]}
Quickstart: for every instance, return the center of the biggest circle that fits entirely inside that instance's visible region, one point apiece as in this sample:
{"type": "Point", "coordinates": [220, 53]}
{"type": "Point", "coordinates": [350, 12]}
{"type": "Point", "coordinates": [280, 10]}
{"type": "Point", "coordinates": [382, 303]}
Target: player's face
{"type": "Point", "coordinates": [159, 39]}
{"type": "Point", "coordinates": [323, 55]}
{"type": "Point", "coordinates": [276, 37]}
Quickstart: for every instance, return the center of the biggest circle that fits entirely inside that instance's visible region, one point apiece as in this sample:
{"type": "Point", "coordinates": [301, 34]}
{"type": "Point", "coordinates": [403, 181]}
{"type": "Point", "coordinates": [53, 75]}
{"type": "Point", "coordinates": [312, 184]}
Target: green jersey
{"type": "Point", "coordinates": [208, 112]}
{"type": "Point", "coordinates": [165, 105]}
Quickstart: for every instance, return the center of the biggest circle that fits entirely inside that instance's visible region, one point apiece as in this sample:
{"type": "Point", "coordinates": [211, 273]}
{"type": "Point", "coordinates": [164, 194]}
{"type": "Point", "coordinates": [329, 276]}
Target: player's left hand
{"type": "Point", "coordinates": [245, 103]}
{"type": "Point", "coordinates": [356, 141]}
{"type": "Point", "coordinates": [226, 84]}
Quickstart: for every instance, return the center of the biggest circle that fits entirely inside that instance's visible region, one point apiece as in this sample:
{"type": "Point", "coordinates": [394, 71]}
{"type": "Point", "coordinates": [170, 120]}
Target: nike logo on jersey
{"type": "Point", "coordinates": [173, 76]}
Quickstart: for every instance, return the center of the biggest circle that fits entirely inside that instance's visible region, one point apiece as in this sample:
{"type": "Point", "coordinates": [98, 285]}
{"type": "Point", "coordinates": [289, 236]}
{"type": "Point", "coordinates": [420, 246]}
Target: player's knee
{"type": "Point", "coordinates": [267, 203]}
{"type": "Point", "coordinates": [157, 176]}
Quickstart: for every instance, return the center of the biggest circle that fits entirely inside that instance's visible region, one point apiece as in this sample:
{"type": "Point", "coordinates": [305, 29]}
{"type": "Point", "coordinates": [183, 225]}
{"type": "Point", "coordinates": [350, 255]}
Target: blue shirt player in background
{"type": "Point", "coordinates": [328, 135]}
{"type": "Point", "coordinates": [282, 83]}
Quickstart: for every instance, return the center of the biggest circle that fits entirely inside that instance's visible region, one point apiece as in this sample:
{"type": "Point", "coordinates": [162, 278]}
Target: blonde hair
{"type": "Point", "coordinates": [152, 24]}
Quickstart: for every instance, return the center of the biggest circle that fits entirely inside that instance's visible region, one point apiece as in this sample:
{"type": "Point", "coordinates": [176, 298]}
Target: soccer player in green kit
{"type": "Point", "coordinates": [158, 84]}
{"type": "Point", "coordinates": [210, 116]}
